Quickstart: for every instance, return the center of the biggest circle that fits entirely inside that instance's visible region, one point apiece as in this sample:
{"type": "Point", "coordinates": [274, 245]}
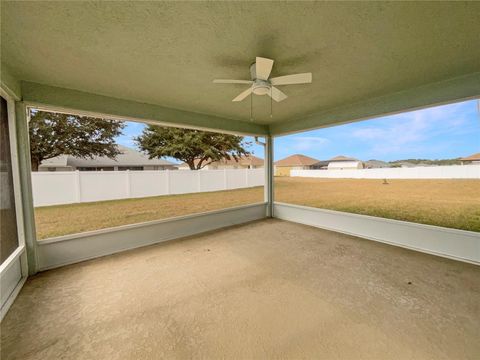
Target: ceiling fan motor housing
{"type": "Point", "coordinates": [261, 87]}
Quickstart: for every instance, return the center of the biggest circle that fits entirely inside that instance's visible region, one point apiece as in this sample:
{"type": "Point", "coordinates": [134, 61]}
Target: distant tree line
{"type": "Point", "coordinates": [427, 162]}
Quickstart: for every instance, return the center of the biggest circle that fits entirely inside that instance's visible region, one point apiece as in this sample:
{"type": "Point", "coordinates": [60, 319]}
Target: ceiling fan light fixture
{"type": "Point", "coordinates": [261, 90]}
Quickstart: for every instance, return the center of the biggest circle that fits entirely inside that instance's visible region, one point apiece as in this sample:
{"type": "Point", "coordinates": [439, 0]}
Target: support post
{"type": "Point", "coordinates": [269, 174]}
{"type": "Point", "coordinates": [25, 170]}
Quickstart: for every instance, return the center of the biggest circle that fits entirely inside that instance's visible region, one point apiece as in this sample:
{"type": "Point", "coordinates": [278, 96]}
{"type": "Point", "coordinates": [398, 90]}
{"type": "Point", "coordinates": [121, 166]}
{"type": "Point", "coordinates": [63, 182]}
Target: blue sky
{"type": "Point", "coordinates": [441, 132]}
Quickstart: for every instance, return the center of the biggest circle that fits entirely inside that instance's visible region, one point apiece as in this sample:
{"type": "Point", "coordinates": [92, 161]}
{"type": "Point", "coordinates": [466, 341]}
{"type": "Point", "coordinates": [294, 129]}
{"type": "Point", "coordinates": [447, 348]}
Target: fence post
{"type": "Point", "coordinates": [78, 190]}
{"type": "Point", "coordinates": [168, 181]}
{"type": "Point", "coordinates": [129, 191]}
{"type": "Point", "coordinates": [225, 184]}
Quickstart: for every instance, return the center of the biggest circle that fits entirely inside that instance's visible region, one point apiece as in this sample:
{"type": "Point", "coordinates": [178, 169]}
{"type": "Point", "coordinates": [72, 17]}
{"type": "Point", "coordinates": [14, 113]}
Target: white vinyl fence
{"type": "Point", "coordinates": [55, 188]}
{"type": "Point", "coordinates": [418, 172]}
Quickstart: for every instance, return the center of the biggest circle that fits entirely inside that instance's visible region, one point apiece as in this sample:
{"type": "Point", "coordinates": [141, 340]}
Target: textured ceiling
{"type": "Point", "coordinates": [169, 53]}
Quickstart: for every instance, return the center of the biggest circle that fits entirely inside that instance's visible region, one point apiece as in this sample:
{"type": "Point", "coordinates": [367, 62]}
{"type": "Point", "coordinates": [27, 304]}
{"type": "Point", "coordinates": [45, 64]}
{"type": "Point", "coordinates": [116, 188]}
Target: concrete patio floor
{"type": "Point", "coordinates": [263, 290]}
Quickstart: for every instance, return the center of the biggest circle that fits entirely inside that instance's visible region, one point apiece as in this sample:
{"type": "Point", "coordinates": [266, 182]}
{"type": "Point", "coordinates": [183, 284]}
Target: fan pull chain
{"type": "Point", "coordinates": [251, 106]}
{"type": "Point", "coordinates": [271, 103]}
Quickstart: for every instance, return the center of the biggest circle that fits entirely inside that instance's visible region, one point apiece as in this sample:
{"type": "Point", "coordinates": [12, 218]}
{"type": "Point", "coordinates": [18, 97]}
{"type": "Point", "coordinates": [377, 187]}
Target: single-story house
{"type": "Point", "coordinates": [294, 162]}
{"type": "Point", "coordinates": [129, 159]}
{"type": "Point", "coordinates": [244, 162]}
{"type": "Point", "coordinates": [344, 163]}
{"type": "Point", "coordinates": [472, 159]}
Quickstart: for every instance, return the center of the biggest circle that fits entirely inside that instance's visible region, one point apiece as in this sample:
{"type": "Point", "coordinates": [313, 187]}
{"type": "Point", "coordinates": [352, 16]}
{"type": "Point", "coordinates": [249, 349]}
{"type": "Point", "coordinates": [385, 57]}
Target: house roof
{"type": "Point", "coordinates": [57, 161]}
{"type": "Point", "coordinates": [473, 157]}
{"type": "Point", "coordinates": [296, 160]}
{"type": "Point", "coordinates": [244, 160]}
{"type": "Point", "coordinates": [128, 157]}
{"type": "Point", "coordinates": [343, 158]}
{"type": "Point", "coordinates": [322, 163]}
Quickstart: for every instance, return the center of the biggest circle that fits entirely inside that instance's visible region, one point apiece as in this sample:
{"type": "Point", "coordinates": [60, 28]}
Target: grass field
{"type": "Point", "coordinates": [449, 203]}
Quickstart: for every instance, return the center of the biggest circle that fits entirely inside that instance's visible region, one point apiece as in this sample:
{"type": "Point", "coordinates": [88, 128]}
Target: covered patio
{"type": "Point", "coordinates": [265, 289]}
{"type": "Point", "coordinates": [265, 280]}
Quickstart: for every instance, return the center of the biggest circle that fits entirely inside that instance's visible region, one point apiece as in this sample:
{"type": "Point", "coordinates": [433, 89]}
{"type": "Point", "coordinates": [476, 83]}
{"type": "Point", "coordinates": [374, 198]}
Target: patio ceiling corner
{"type": "Point", "coordinates": [10, 83]}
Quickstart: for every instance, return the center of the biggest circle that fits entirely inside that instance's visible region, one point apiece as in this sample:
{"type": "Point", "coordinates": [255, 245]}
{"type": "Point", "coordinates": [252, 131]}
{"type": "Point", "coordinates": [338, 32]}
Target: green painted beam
{"type": "Point", "coordinates": [9, 83]}
{"type": "Point", "coordinates": [448, 91]}
{"type": "Point", "coordinates": [88, 103]}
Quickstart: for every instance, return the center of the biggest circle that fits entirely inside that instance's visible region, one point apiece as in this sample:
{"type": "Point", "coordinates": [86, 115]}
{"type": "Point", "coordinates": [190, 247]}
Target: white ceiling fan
{"type": "Point", "coordinates": [262, 85]}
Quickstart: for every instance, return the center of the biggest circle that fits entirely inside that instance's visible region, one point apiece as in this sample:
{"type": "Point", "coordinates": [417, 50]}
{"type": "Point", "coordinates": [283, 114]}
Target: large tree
{"type": "Point", "coordinates": [194, 147]}
{"type": "Point", "coordinates": [53, 134]}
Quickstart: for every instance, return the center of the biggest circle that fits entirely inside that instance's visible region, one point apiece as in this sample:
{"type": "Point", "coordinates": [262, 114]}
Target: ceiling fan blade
{"type": "Point", "coordinates": [304, 78]}
{"type": "Point", "coordinates": [263, 68]}
{"type": "Point", "coordinates": [243, 95]}
{"type": "Point", "coordinates": [277, 95]}
{"type": "Point", "coordinates": [227, 81]}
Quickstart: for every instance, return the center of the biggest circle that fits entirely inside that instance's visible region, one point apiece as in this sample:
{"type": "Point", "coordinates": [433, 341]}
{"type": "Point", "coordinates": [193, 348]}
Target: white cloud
{"type": "Point", "coordinates": [308, 143]}
{"type": "Point", "coordinates": [411, 132]}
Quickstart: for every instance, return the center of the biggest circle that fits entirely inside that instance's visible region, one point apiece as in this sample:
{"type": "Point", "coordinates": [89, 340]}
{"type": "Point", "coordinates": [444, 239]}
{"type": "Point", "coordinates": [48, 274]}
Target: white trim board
{"type": "Point", "coordinates": [14, 269]}
{"type": "Point", "coordinates": [69, 249]}
{"type": "Point", "coordinates": [11, 298]}
{"type": "Point", "coordinates": [450, 243]}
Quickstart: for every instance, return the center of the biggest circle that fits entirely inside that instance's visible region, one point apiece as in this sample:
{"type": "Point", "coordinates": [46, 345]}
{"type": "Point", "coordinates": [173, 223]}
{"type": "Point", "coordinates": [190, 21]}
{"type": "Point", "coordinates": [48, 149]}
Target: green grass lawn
{"type": "Point", "coordinates": [448, 203]}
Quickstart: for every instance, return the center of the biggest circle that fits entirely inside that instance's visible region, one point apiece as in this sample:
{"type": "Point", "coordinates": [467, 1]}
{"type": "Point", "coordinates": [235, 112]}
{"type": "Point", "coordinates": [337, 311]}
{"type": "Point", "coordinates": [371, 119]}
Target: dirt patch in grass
{"type": "Point", "coordinates": [448, 203]}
